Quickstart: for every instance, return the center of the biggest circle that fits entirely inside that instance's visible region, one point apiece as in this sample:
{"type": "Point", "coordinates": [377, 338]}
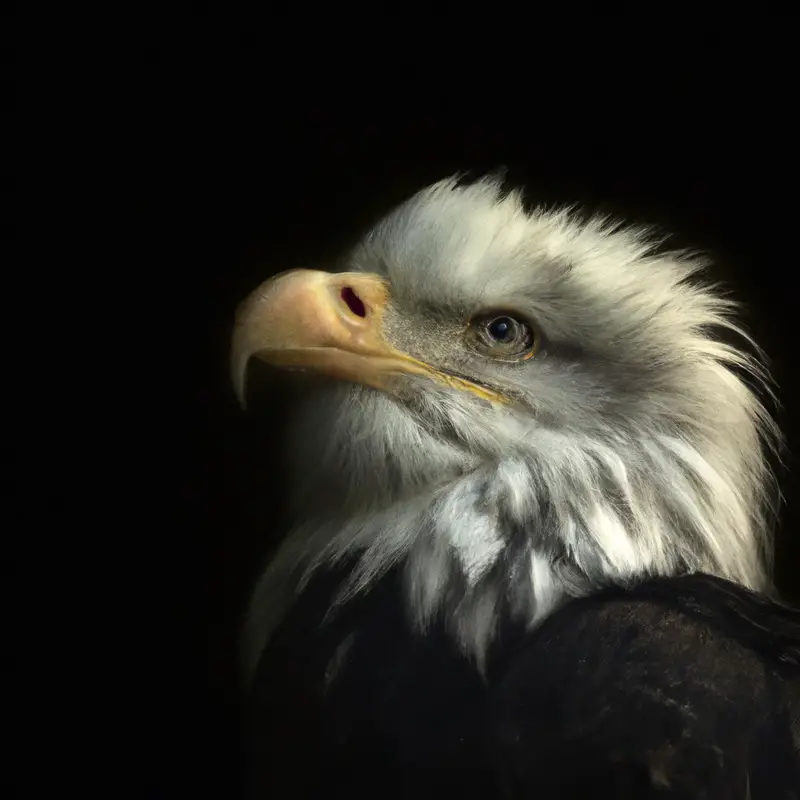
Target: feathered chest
{"type": "Point", "coordinates": [363, 683]}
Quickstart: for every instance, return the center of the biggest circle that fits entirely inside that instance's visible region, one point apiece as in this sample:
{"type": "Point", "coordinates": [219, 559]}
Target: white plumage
{"type": "Point", "coordinates": [630, 444]}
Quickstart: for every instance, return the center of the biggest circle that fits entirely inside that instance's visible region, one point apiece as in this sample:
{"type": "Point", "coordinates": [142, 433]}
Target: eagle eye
{"type": "Point", "coordinates": [502, 337]}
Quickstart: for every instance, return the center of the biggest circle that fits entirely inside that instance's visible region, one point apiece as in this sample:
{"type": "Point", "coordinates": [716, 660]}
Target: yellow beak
{"type": "Point", "coordinates": [331, 323]}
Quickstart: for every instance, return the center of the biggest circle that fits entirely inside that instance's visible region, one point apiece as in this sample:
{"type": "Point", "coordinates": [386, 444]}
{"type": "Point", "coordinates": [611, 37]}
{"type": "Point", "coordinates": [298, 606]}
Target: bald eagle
{"type": "Point", "coordinates": [531, 501]}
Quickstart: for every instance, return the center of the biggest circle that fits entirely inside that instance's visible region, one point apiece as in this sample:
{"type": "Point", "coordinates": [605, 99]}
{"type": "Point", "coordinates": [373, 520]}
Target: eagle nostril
{"type": "Point", "coordinates": [354, 302]}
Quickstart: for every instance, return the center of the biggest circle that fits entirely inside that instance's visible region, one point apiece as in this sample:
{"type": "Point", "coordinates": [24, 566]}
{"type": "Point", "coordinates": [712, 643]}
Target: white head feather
{"type": "Point", "coordinates": [635, 448]}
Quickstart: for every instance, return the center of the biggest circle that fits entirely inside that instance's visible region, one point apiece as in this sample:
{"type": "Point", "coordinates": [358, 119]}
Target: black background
{"type": "Point", "coordinates": [251, 148]}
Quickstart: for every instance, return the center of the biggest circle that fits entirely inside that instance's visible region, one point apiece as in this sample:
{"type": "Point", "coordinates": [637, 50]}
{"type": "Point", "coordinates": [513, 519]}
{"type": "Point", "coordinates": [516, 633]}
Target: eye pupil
{"type": "Point", "coordinates": [501, 328]}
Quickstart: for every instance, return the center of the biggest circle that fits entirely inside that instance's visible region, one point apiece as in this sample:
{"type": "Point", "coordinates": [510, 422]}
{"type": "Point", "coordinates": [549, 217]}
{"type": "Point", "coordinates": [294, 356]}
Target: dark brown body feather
{"type": "Point", "coordinates": [681, 688]}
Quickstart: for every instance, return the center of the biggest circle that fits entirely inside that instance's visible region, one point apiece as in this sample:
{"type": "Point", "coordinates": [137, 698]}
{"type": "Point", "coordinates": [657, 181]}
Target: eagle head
{"type": "Point", "coordinates": [519, 408]}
